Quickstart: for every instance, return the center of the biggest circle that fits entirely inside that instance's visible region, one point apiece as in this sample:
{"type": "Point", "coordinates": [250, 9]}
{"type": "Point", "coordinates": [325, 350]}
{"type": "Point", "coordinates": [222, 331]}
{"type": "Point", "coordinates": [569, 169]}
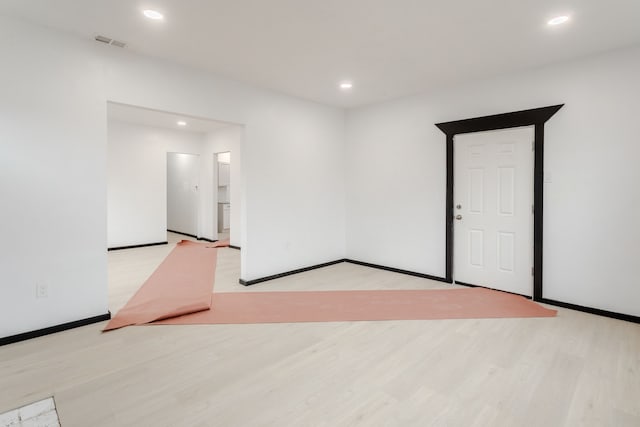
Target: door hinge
{"type": "Point", "coordinates": [532, 271]}
{"type": "Point", "coordinates": [533, 210]}
{"type": "Point", "coordinates": [533, 146]}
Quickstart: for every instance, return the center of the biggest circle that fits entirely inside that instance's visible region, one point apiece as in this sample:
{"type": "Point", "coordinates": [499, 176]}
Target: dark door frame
{"type": "Point", "coordinates": [536, 117]}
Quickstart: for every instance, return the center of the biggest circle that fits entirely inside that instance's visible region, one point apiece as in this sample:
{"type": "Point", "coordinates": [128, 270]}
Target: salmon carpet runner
{"type": "Point", "coordinates": [181, 284]}
{"type": "Point", "coordinates": [179, 292]}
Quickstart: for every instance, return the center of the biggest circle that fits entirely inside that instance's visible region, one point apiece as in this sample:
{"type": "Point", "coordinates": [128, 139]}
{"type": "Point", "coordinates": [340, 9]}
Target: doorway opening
{"type": "Point", "coordinates": [160, 180]}
{"type": "Point", "coordinates": [222, 199]}
{"type": "Point", "coordinates": [536, 118]}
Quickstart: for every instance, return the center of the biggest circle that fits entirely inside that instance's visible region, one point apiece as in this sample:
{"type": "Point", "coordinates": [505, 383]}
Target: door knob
{"type": "Point", "coordinates": [458, 217]}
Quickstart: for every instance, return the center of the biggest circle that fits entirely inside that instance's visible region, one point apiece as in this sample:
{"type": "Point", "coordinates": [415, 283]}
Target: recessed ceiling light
{"type": "Point", "coordinates": [182, 123]}
{"type": "Point", "coordinates": [346, 85]}
{"type": "Point", "coordinates": [558, 20]}
{"type": "Point", "coordinates": [153, 14]}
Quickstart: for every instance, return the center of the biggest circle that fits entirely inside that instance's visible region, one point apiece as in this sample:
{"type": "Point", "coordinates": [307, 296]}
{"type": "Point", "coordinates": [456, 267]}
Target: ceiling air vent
{"type": "Point", "coordinates": [112, 42]}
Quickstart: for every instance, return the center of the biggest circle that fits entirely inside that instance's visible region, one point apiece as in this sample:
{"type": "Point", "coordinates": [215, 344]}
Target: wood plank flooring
{"type": "Point", "coordinates": [573, 370]}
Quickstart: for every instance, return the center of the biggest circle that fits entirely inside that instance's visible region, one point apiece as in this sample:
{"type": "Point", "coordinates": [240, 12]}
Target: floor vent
{"type": "Point", "coordinates": [110, 41]}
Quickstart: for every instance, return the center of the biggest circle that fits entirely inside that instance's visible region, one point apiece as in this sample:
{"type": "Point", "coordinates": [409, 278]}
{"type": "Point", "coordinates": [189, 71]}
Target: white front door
{"type": "Point", "coordinates": [493, 209]}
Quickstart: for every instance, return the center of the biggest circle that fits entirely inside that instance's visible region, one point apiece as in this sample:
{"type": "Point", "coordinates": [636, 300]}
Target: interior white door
{"type": "Point", "coordinates": [182, 192]}
{"type": "Point", "coordinates": [493, 209]}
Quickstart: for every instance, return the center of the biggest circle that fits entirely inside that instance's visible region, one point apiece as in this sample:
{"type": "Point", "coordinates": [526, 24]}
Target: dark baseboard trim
{"type": "Point", "coordinates": [591, 310]}
{"type": "Point", "coordinates": [467, 284]}
{"type": "Point", "coordinates": [184, 234]}
{"type": "Point", "coordinates": [192, 235]}
{"type": "Point", "coordinates": [596, 311]}
{"type": "Point", "coordinates": [498, 290]}
{"type": "Point", "coordinates": [397, 270]}
{"type": "Point", "coordinates": [206, 240]}
{"type": "Point", "coordinates": [288, 273]}
{"type": "Point", "coordinates": [144, 245]}
{"type": "Point", "coordinates": [234, 247]}
{"type": "Point", "coordinates": [326, 264]}
{"type": "Point", "coordinates": [53, 329]}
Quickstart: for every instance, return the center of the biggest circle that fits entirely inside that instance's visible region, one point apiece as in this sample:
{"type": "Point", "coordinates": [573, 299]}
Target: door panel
{"type": "Point", "coordinates": [506, 196]}
{"type": "Point", "coordinates": [476, 193]}
{"type": "Point", "coordinates": [493, 198]}
{"type": "Point", "coordinates": [476, 248]}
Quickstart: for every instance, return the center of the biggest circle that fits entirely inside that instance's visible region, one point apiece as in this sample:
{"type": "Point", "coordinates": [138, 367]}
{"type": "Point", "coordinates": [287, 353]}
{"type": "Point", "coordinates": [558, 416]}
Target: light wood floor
{"type": "Point", "coordinates": [573, 370]}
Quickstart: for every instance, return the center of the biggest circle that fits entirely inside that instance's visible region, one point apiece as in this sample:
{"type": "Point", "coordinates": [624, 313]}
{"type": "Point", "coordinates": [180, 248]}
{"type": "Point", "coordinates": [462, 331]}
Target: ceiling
{"type": "Point", "coordinates": [161, 119]}
{"type": "Point", "coordinates": [388, 48]}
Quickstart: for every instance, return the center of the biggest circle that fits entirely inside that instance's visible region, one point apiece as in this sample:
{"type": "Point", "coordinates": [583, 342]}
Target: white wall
{"type": "Point", "coordinates": [137, 180]}
{"type": "Point", "coordinates": [295, 194]}
{"type": "Point", "coordinates": [53, 94]}
{"type": "Point", "coordinates": [53, 179]}
{"type": "Point", "coordinates": [292, 185]}
{"type": "Point", "coordinates": [222, 140]}
{"type": "Point", "coordinates": [396, 206]}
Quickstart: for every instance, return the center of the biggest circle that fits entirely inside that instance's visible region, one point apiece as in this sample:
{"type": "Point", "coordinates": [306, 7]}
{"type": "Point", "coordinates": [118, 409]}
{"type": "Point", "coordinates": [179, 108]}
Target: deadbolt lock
{"type": "Point", "coordinates": [458, 206]}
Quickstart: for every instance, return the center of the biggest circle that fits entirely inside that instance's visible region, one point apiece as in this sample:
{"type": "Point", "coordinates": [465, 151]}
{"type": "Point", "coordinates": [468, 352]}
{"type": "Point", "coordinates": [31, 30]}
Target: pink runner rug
{"type": "Point", "coordinates": [181, 284]}
{"type": "Point", "coordinates": [179, 292]}
{"type": "Point", "coordinates": [340, 306]}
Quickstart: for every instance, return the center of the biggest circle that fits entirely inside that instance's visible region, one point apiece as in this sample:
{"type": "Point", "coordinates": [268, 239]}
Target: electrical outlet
{"type": "Point", "coordinates": [42, 290]}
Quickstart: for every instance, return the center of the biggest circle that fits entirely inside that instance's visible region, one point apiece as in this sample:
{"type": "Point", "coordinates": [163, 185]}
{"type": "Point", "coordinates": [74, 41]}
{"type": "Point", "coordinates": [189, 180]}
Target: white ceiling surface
{"type": "Point", "coordinates": [161, 119]}
{"type": "Point", "coordinates": [389, 48]}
